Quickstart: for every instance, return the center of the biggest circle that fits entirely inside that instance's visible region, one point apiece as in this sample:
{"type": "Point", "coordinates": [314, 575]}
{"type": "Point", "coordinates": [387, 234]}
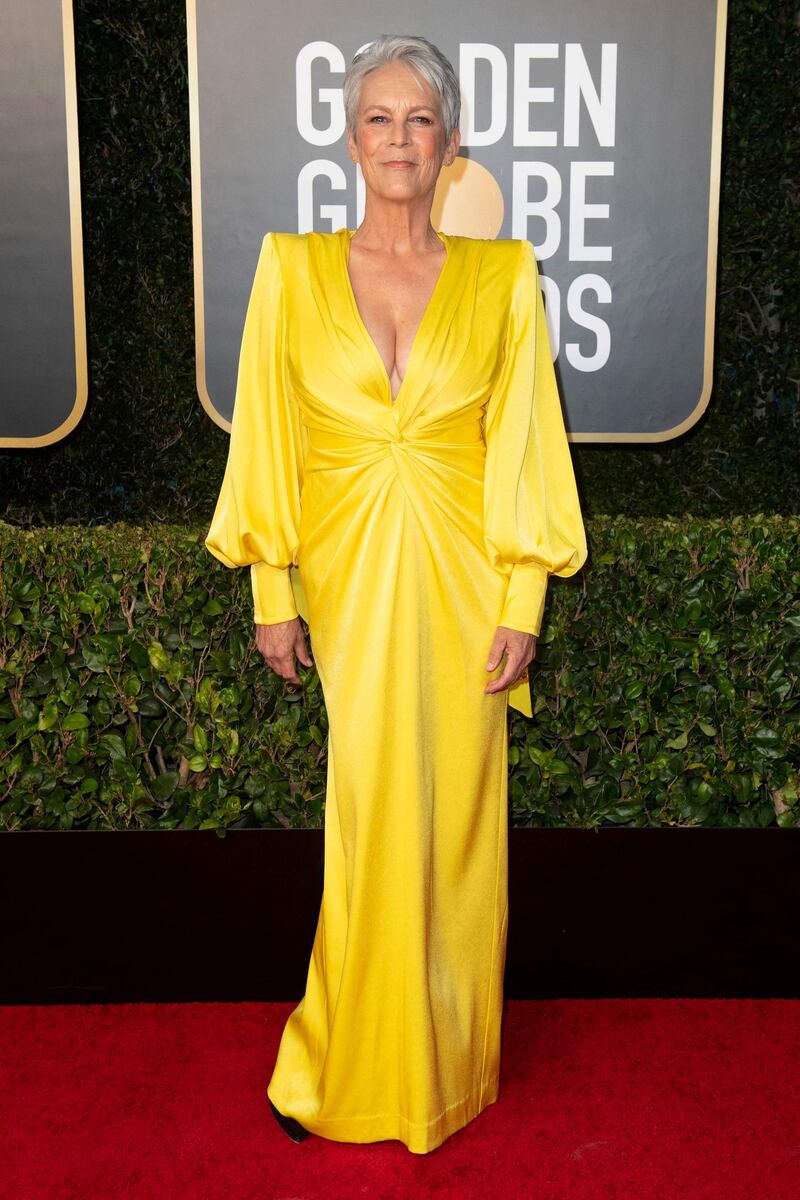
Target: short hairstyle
{"type": "Point", "coordinates": [419, 54]}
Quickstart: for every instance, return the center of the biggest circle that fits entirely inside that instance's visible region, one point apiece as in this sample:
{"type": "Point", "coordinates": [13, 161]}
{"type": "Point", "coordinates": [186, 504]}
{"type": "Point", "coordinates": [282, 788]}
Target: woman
{"type": "Point", "coordinates": [399, 474]}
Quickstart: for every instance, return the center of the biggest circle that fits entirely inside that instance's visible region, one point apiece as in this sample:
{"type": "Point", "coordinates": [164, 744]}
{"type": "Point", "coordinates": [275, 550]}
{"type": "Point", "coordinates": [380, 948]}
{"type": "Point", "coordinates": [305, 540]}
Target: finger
{"type": "Point", "coordinates": [496, 650]}
{"type": "Point", "coordinates": [302, 651]}
{"type": "Point", "coordinates": [291, 678]}
{"type": "Point", "coordinates": [509, 675]}
{"type": "Point", "coordinates": [284, 666]}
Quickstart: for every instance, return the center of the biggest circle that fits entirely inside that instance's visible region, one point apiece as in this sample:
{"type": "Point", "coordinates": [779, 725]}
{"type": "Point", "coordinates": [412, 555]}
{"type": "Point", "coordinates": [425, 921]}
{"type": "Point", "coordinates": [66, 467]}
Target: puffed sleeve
{"type": "Point", "coordinates": [532, 517]}
{"type": "Point", "coordinates": [257, 516]}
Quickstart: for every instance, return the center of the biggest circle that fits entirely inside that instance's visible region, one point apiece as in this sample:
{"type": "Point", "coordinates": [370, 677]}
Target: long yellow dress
{"type": "Point", "coordinates": [404, 532]}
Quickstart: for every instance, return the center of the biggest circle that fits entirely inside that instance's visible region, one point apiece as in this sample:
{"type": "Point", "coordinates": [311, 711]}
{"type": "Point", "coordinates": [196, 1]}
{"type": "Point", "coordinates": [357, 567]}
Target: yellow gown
{"type": "Point", "coordinates": [403, 533]}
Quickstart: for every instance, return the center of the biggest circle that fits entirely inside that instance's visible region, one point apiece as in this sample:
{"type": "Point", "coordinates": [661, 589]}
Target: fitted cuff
{"type": "Point", "coordinates": [273, 597]}
{"type": "Point", "coordinates": [524, 604]}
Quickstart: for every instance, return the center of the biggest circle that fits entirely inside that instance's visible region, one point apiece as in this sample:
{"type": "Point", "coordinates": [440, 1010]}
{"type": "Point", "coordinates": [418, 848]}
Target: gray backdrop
{"type": "Point", "coordinates": [630, 315]}
{"type": "Point", "coordinates": [42, 320]}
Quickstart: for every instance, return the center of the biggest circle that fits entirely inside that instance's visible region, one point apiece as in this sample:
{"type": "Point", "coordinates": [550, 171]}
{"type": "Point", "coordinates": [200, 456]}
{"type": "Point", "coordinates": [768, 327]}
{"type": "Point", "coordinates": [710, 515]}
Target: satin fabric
{"type": "Point", "coordinates": [404, 532]}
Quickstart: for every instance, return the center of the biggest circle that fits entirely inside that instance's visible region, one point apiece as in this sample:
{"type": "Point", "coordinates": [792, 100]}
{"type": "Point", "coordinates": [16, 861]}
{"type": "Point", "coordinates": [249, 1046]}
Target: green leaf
{"type": "Point", "coordinates": [200, 739]}
{"type": "Point", "coordinates": [112, 745]}
{"type": "Point", "coordinates": [95, 660]}
{"type": "Point", "coordinates": [75, 720]}
{"type": "Point", "coordinates": [163, 786]}
{"type": "Point", "coordinates": [159, 660]}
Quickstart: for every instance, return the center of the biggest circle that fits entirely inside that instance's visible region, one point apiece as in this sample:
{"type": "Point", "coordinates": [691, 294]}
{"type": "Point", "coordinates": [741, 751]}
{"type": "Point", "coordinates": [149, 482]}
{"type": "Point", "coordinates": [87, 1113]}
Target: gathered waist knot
{"type": "Point", "coordinates": [329, 448]}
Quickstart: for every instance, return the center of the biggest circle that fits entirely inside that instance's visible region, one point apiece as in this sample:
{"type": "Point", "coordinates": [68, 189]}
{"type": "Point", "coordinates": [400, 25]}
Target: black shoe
{"type": "Point", "coordinates": [288, 1124]}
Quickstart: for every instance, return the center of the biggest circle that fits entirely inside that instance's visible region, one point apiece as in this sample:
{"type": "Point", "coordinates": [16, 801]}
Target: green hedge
{"type": "Point", "coordinates": [132, 695]}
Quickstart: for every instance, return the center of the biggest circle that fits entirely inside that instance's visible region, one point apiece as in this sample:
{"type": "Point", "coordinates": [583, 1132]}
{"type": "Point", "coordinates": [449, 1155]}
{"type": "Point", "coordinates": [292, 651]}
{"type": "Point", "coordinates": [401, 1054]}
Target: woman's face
{"type": "Point", "coordinates": [399, 135]}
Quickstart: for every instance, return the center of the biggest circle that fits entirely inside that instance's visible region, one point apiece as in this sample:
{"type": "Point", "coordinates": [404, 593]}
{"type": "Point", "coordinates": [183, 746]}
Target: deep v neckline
{"type": "Point", "coordinates": [344, 243]}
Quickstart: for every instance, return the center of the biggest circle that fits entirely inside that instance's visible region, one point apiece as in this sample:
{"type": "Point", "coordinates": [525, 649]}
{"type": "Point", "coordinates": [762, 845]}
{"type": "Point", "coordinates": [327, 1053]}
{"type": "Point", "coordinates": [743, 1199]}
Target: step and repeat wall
{"type": "Point", "coordinates": [593, 131]}
{"type": "Point", "coordinates": [42, 303]}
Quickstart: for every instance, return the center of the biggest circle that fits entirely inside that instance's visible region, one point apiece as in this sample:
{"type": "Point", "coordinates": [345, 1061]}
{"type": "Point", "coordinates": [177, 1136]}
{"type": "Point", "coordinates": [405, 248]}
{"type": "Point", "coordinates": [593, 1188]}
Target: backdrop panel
{"type": "Point", "coordinates": [591, 130]}
{"type": "Point", "coordinates": [43, 327]}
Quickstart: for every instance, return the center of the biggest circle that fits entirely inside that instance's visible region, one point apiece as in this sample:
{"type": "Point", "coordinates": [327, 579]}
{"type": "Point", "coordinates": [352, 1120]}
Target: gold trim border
{"type": "Point", "coordinates": [197, 219]}
{"type": "Point", "coordinates": [76, 244]}
{"type": "Point", "coordinates": [711, 256]}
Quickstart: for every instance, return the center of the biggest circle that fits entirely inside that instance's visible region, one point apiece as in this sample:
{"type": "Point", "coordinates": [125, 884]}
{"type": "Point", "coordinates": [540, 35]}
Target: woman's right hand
{"type": "Point", "coordinates": [279, 643]}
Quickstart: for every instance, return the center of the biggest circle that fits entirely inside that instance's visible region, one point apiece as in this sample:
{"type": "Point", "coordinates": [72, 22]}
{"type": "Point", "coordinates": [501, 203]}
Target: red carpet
{"type": "Point", "coordinates": [600, 1100]}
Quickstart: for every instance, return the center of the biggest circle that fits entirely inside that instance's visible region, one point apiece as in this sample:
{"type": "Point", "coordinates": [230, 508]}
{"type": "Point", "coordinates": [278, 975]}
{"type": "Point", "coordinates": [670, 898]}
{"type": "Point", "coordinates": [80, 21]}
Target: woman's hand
{"type": "Point", "coordinates": [279, 643]}
{"type": "Point", "coordinates": [519, 649]}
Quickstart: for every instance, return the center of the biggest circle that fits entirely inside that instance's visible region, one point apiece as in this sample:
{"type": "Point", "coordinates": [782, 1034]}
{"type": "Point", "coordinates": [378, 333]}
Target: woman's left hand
{"type": "Point", "coordinates": [519, 649]}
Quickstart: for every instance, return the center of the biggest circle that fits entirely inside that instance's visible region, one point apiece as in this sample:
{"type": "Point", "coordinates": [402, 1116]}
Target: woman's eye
{"type": "Point", "coordinates": [379, 117]}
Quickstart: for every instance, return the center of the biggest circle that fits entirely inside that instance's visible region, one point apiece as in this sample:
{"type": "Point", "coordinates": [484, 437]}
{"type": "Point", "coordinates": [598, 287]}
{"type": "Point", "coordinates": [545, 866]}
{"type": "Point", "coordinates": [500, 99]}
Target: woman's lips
{"type": "Point", "coordinates": [399, 164]}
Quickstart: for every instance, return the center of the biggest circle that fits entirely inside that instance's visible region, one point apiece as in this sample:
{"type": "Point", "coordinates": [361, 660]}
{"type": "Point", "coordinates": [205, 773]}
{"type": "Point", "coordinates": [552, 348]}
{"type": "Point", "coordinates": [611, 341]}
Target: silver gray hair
{"type": "Point", "coordinates": [417, 53]}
